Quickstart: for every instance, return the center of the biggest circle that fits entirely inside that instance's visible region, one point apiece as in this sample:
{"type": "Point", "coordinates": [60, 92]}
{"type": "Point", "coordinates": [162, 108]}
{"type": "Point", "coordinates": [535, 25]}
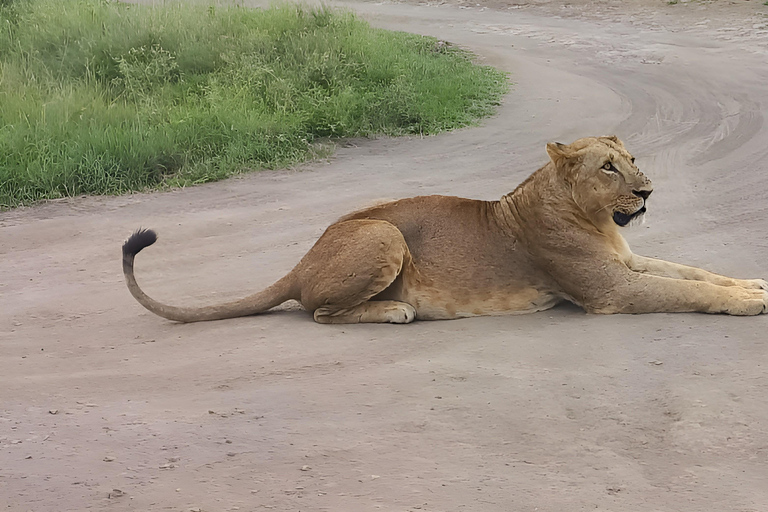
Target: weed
{"type": "Point", "coordinates": [102, 97]}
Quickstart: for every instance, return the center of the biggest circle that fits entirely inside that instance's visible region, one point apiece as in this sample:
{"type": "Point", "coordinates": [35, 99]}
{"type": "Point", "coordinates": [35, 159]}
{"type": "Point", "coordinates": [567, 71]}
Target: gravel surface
{"type": "Point", "coordinates": [104, 406]}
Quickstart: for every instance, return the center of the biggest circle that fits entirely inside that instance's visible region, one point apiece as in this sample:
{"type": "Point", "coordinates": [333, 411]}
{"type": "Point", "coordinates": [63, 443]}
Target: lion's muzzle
{"type": "Point", "coordinates": [622, 219]}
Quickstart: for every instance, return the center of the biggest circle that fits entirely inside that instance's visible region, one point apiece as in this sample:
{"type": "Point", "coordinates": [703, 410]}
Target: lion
{"type": "Point", "coordinates": [554, 238]}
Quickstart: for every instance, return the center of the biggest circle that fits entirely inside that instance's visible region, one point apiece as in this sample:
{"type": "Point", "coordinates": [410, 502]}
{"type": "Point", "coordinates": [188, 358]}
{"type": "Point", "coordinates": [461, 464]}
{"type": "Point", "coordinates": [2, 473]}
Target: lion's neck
{"type": "Point", "coordinates": [542, 195]}
{"type": "Point", "coordinates": [545, 197]}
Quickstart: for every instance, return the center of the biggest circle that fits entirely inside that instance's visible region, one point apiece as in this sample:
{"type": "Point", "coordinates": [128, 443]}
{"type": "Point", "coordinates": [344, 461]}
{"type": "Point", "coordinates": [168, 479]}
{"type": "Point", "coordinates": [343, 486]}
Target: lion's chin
{"type": "Point", "coordinates": [622, 219]}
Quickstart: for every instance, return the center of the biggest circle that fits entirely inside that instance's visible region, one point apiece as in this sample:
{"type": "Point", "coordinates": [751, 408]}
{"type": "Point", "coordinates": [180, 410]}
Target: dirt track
{"type": "Point", "coordinates": [556, 411]}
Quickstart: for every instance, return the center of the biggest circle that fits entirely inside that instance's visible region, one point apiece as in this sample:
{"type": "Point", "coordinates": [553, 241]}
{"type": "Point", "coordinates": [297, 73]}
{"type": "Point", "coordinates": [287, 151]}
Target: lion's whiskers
{"type": "Point", "coordinates": [604, 207]}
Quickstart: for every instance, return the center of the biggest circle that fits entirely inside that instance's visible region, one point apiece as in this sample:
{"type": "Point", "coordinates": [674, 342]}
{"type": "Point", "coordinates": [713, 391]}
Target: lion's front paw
{"type": "Point", "coordinates": [758, 304]}
{"type": "Point", "coordinates": [754, 284]}
{"type": "Point", "coordinates": [765, 302]}
{"type": "Point", "coordinates": [754, 302]}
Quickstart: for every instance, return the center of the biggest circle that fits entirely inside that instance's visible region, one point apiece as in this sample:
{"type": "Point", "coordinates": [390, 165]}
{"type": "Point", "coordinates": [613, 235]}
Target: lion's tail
{"type": "Point", "coordinates": [256, 303]}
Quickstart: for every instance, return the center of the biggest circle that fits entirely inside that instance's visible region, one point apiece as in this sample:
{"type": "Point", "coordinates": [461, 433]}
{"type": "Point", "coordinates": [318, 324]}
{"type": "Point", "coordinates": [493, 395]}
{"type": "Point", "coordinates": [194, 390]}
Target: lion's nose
{"type": "Point", "coordinates": [642, 193]}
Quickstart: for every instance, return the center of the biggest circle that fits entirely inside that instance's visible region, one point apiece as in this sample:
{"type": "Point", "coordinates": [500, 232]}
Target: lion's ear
{"type": "Point", "coordinates": [558, 152]}
{"type": "Point", "coordinates": [614, 139]}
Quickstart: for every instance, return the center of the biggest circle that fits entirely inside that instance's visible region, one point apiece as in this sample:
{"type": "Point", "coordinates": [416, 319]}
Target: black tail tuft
{"type": "Point", "coordinates": [140, 239]}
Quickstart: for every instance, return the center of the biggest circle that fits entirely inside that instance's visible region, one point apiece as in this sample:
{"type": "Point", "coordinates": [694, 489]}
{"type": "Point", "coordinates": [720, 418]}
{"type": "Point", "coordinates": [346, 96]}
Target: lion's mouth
{"type": "Point", "coordinates": [622, 219]}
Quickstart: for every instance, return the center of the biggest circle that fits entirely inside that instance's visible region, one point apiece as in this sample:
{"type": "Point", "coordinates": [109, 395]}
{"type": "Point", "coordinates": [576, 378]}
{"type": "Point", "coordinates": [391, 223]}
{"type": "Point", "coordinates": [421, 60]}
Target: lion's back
{"type": "Point", "coordinates": [453, 236]}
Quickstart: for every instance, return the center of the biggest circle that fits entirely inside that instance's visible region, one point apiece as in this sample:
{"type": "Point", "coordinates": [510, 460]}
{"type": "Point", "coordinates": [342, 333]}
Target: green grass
{"type": "Point", "coordinates": [99, 97]}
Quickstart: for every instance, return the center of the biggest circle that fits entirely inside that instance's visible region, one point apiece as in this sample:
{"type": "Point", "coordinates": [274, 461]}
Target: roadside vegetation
{"type": "Point", "coordinates": [101, 97]}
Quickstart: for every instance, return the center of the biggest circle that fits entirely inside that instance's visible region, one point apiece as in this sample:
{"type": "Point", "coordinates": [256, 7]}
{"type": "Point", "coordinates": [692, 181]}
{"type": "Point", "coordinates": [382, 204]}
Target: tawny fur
{"type": "Point", "coordinates": [555, 237]}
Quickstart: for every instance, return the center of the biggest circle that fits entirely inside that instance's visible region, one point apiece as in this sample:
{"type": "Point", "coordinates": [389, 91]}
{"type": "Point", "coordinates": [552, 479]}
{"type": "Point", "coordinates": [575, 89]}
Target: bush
{"type": "Point", "coordinates": [101, 97]}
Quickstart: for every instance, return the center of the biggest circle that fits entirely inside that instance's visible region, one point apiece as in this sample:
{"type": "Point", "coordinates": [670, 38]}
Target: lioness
{"type": "Point", "coordinates": [554, 238]}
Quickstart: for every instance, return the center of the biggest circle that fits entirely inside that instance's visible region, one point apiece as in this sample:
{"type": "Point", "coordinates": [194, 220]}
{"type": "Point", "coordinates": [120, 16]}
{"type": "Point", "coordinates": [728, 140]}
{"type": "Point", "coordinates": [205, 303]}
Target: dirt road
{"type": "Point", "coordinates": [557, 411]}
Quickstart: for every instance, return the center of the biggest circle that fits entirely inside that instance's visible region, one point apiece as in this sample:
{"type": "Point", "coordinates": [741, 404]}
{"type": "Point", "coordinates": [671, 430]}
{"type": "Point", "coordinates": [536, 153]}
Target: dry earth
{"type": "Point", "coordinates": [557, 411]}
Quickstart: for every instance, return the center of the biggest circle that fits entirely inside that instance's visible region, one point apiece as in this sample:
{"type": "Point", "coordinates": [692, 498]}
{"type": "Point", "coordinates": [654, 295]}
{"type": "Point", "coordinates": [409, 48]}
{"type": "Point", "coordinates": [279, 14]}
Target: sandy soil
{"type": "Point", "coordinates": [557, 411]}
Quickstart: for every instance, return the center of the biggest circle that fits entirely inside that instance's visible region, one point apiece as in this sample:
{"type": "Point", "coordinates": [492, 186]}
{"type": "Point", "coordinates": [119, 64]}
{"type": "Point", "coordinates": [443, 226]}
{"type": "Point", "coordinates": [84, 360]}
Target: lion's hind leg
{"type": "Point", "coordinates": [352, 262]}
{"type": "Point", "coordinates": [380, 311]}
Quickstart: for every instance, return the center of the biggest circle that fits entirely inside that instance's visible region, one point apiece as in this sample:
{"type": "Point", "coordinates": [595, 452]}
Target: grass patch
{"type": "Point", "coordinates": [100, 97]}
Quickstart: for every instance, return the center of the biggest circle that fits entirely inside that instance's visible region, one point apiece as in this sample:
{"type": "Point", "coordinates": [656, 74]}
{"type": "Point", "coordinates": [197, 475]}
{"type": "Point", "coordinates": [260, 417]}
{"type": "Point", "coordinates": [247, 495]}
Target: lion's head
{"type": "Point", "coordinates": [604, 181]}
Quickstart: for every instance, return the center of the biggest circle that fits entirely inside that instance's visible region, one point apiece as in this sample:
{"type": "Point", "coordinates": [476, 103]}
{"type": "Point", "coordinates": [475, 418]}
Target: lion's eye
{"type": "Point", "coordinates": [608, 166]}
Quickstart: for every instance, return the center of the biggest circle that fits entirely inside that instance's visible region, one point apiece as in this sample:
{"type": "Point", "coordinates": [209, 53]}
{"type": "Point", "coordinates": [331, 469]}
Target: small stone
{"type": "Point", "coordinates": [231, 454]}
{"type": "Point", "coordinates": [28, 457]}
{"type": "Point", "coordinates": [305, 468]}
{"type": "Point", "coordinates": [109, 458]}
{"type": "Point", "coordinates": [116, 493]}
{"type": "Point", "coordinates": [53, 411]}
